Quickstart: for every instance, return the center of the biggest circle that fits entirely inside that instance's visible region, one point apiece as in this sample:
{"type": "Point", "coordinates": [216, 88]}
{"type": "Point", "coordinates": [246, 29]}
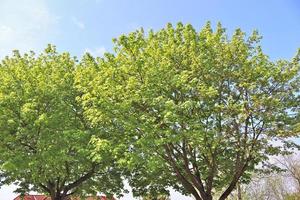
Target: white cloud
{"type": "Point", "coordinates": [25, 25]}
{"type": "Point", "coordinates": [78, 23]}
{"type": "Point", "coordinates": [96, 52]}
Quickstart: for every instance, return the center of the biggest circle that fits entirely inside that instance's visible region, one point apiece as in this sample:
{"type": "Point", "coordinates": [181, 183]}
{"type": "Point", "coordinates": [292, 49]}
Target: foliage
{"type": "Point", "coordinates": [46, 142]}
{"type": "Point", "coordinates": [197, 107]}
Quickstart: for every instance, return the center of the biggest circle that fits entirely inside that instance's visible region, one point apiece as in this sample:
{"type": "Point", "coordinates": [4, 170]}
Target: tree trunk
{"type": "Point", "coordinates": [207, 197]}
{"type": "Point", "coordinates": [203, 198]}
{"type": "Point", "coordinates": [197, 198]}
{"type": "Point", "coordinates": [239, 192]}
{"type": "Point", "coordinates": [58, 196]}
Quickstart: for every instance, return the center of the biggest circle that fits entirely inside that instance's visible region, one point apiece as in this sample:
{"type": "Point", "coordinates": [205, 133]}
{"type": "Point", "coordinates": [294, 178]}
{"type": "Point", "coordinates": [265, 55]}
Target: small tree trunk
{"type": "Point", "coordinates": [239, 191]}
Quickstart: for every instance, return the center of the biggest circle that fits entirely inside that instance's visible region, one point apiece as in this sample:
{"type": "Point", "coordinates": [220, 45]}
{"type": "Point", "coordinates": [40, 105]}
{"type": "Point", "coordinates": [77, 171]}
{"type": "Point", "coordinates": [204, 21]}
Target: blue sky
{"type": "Point", "coordinates": [89, 25]}
{"type": "Point", "coordinates": [81, 25]}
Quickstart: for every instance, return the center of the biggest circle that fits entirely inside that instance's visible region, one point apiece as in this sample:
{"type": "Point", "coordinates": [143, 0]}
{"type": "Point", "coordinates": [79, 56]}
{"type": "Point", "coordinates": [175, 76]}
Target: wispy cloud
{"type": "Point", "coordinates": [25, 25]}
{"type": "Point", "coordinates": [78, 23]}
{"type": "Point", "coordinates": [96, 52]}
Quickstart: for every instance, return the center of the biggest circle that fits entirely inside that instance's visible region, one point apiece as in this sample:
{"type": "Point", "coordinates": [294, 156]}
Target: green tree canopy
{"type": "Point", "coordinates": [46, 141]}
{"type": "Point", "coordinates": [199, 110]}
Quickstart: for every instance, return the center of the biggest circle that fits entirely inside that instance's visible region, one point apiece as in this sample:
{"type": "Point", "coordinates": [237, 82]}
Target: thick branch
{"type": "Point", "coordinates": [186, 184]}
{"type": "Point", "coordinates": [79, 181]}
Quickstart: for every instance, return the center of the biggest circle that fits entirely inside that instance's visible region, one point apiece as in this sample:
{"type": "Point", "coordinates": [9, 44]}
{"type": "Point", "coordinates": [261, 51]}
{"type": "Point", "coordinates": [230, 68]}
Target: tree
{"type": "Point", "coordinates": [280, 183]}
{"type": "Point", "coordinates": [200, 106]}
{"type": "Point", "coordinates": [268, 187]}
{"type": "Point", "coordinates": [291, 165]}
{"type": "Point", "coordinates": [47, 145]}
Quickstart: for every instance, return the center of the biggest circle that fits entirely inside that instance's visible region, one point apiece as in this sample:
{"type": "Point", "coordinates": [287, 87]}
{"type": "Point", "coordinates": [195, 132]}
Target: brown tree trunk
{"type": "Point", "coordinates": [197, 198]}
{"type": "Point", "coordinates": [208, 197]}
{"type": "Point", "coordinates": [204, 198]}
{"type": "Point", "coordinates": [58, 196]}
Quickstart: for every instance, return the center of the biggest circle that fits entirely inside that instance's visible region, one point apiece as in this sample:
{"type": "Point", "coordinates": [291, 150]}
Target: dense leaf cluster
{"type": "Point", "coordinates": [196, 111]}
{"type": "Point", "coordinates": [46, 142]}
